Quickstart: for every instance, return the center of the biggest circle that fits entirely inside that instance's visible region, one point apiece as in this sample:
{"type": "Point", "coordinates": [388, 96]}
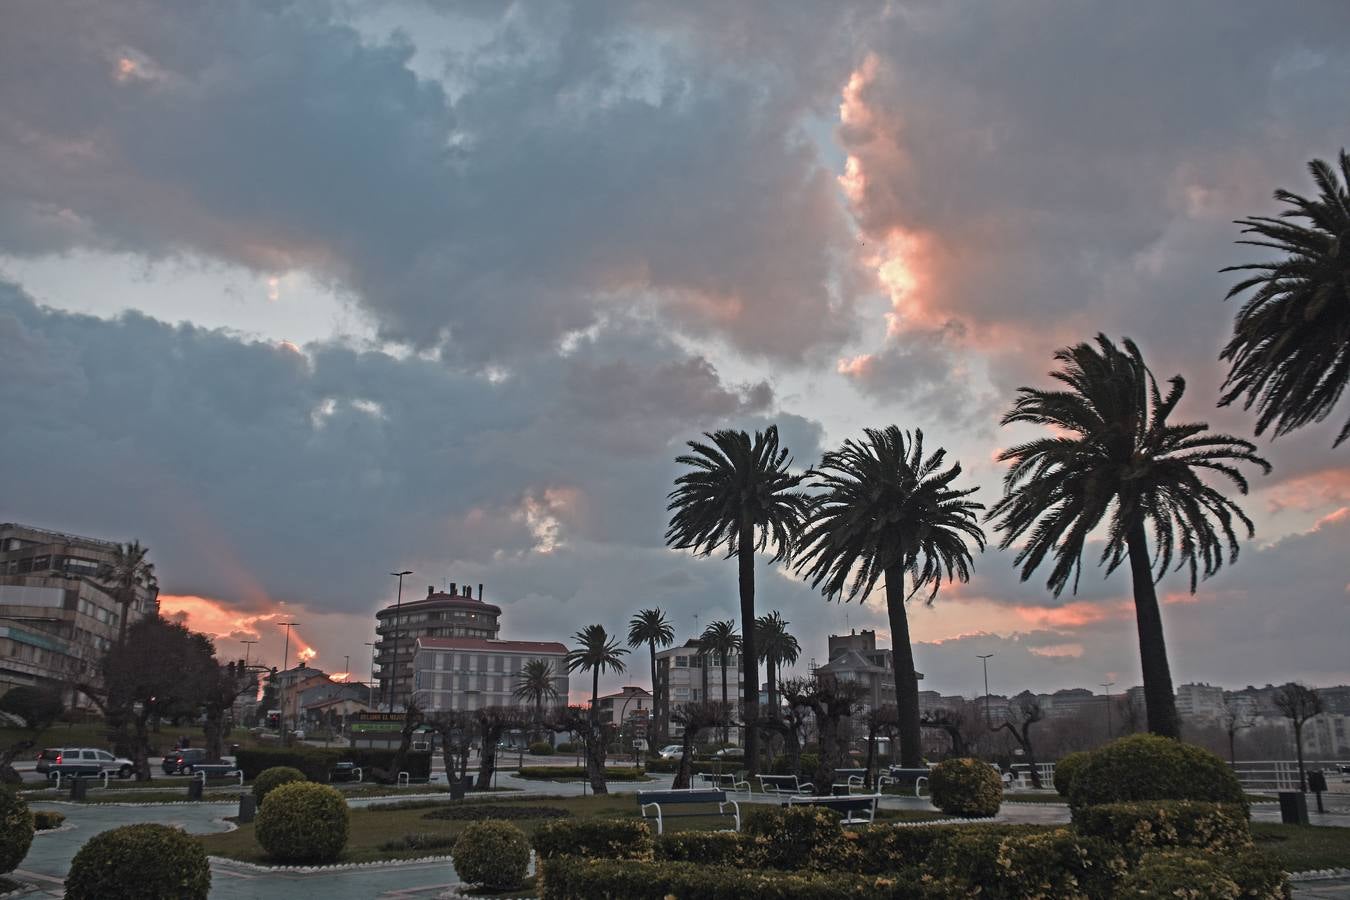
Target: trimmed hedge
{"type": "Point", "coordinates": [966, 787]}
{"type": "Point", "coordinates": [417, 765]}
{"type": "Point", "coordinates": [492, 855]}
{"type": "Point", "coordinates": [566, 747]}
{"type": "Point", "coordinates": [781, 766]}
{"type": "Point", "coordinates": [594, 839]}
{"type": "Point", "coordinates": [1058, 863]}
{"type": "Point", "coordinates": [1065, 770]}
{"type": "Point", "coordinates": [16, 830]}
{"type": "Point", "coordinates": [1204, 876]}
{"type": "Point", "coordinates": [269, 780]}
{"type": "Point", "coordinates": [566, 773]}
{"type": "Point", "coordinates": [314, 762]}
{"type": "Point", "coordinates": [1154, 824]}
{"type": "Point", "coordinates": [710, 848]}
{"type": "Point", "coordinates": [570, 878]}
{"type": "Point", "coordinates": [541, 748]}
{"type": "Point", "coordinates": [303, 822]}
{"type": "Point", "coordinates": [140, 862]}
{"type": "Point", "coordinates": [1148, 767]}
{"type": "Point", "coordinates": [46, 820]}
{"type": "Point", "coordinates": [802, 837]}
{"type": "Point", "coordinates": [891, 848]}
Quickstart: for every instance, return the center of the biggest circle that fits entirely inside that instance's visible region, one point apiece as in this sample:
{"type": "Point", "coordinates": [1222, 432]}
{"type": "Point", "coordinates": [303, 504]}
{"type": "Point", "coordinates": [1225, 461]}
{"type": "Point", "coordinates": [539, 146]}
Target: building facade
{"type": "Point", "coordinates": [629, 703]}
{"type": "Point", "coordinates": [440, 614]}
{"type": "Point", "coordinates": [1199, 701]}
{"type": "Point", "coordinates": [684, 675]}
{"type": "Point", "coordinates": [56, 619]}
{"type": "Point", "coordinates": [856, 658]}
{"type": "Point", "coordinates": [468, 673]}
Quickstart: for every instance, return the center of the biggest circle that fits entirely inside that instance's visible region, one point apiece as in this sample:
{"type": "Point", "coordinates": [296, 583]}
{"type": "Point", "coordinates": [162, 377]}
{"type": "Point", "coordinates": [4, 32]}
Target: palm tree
{"type": "Point", "coordinates": [650, 627]}
{"type": "Point", "coordinates": [887, 510]}
{"type": "Point", "coordinates": [596, 653]}
{"type": "Point", "coordinates": [777, 648]}
{"type": "Point", "coordinates": [1115, 461]}
{"type": "Point", "coordinates": [741, 496]}
{"type": "Point", "coordinates": [534, 684]}
{"type": "Point", "coordinates": [124, 574]}
{"type": "Point", "coordinates": [1290, 351]}
{"type": "Point", "coordinates": [721, 638]}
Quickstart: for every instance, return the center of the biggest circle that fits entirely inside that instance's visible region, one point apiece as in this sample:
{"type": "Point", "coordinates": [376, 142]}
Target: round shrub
{"type": "Point", "coordinates": [275, 777]}
{"type": "Point", "coordinates": [1148, 767]}
{"type": "Point", "coordinates": [966, 787]}
{"type": "Point", "coordinates": [303, 822]}
{"type": "Point", "coordinates": [16, 830]}
{"type": "Point", "coordinates": [46, 820]}
{"type": "Point", "coordinates": [541, 748]}
{"type": "Point", "coordinates": [493, 855]}
{"type": "Point", "coordinates": [145, 862]}
{"type": "Point", "coordinates": [1065, 770]}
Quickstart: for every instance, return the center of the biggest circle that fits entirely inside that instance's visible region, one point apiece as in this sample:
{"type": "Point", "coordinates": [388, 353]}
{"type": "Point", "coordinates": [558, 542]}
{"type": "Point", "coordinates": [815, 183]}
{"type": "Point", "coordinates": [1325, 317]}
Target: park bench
{"type": "Point", "coordinates": [905, 779]}
{"type": "Point", "coordinates": [845, 780]}
{"type": "Point", "coordinates": [857, 809]}
{"type": "Point", "coordinates": [730, 781]}
{"type": "Point", "coordinates": [784, 784]}
{"type": "Point", "coordinates": [407, 778]}
{"type": "Point", "coordinates": [345, 771]}
{"type": "Point", "coordinates": [660, 802]}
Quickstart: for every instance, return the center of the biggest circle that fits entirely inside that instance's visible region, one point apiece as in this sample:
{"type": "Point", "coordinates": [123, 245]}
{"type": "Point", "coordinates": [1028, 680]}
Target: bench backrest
{"type": "Point", "coordinates": [897, 772]}
{"type": "Point", "coordinates": [846, 773]}
{"type": "Point", "coordinates": [779, 779]}
{"type": "Point", "coordinates": [695, 796]}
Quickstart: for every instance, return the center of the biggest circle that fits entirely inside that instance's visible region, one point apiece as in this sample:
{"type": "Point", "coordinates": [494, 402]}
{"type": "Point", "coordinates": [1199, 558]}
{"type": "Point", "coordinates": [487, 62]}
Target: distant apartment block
{"type": "Point", "coordinates": [468, 673]}
{"type": "Point", "coordinates": [629, 703]}
{"type": "Point", "coordinates": [56, 619]}
{"type": "Point", "coordinates": [1199, 701]}
{"type": "Point", "coordinates": [453, 613]}
{"type": "Point", "coordinates": [683, 675]}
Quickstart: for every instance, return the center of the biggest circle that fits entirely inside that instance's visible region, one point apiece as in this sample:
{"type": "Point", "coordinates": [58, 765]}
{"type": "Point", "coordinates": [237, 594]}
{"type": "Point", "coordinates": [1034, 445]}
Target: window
{"type": "Point", "coordinates": [681, 662]}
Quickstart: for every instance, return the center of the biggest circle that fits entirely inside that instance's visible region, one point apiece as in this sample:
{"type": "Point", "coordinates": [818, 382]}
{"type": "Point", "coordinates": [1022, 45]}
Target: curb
{"type": "Point", "coordinates": [319, 870]}
{"type": "Point", "coordinates": [1319, 875]}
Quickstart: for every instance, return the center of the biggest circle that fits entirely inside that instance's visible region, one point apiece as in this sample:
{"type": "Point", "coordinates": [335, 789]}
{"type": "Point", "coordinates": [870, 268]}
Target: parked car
{"type": "Point", "coordinates": [179, 762]}
{"type": "Point", "coordinates": [81, 761]}
{"type": "Point", "coordinates": [730, 753]}
{"type": "Point", "coordinates": [671, 751]}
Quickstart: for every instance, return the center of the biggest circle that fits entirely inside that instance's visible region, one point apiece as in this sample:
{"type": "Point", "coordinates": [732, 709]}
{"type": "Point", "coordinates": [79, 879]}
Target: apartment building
{"type": "Point", "coordinates": [685, 675]}
{"type": "Point", "coordinates": [467, 673]}
{"type": "Point", "coordinates": [56, 619]}
{"type": "Point", "coordinates": [629, 703]}
{"type": "Point", "coordinates": [1199, 701]}
{"type": "Point", "coordinates": [453, 613]}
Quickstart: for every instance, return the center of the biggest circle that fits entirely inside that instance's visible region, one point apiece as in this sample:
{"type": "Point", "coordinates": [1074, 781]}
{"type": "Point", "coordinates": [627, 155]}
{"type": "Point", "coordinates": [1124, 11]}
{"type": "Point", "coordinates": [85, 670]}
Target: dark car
{"type": "Point", "coordinates": [71, 761]}
{"type": "Point", "coordinates": [180, 762]}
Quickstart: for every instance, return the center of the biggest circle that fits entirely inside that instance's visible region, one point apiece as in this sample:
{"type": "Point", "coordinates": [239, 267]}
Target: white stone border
{"type": "Point", "coordinates": [64, 826]}
{"type": "Point", "coordinates": [23, 888]}
{"type": "Point", "coordinates": [114, 803]}
{"type": "Point", "coordinates": [987, 820]}
{"type": "Point", "coordinates": [318, 870]}
{"type": "Point", "coordinates": [1319, 875]}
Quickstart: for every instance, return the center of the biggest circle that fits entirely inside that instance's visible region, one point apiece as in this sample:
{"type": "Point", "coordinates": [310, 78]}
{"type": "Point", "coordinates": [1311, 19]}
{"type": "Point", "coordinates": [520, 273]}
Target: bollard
{"type": "Point", "coordinates": [78, 787]}
{"type": "Point", "coordinates": [248, 807]}
{"type": "Point", "coordinates": [195, 789]}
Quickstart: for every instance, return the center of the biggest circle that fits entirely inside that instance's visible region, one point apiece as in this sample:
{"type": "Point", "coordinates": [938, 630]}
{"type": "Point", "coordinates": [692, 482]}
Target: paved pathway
{"type": "Point", "coordinates": [49, 859]}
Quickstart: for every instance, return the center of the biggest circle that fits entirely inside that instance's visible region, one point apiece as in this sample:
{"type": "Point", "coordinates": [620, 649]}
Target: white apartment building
{"type": "Point", "coordinates": [683, 676]}
{"type": "Point", "coordinates": [1199, 701]}
{"type": "Point", "coordinates": [472, 673]}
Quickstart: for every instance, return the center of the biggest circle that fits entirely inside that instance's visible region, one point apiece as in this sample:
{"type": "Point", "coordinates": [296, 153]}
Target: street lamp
{"type": "Point", "coordinates": [247, 646]}
{"type": "Point", "coordinates": [984, 658]}
{"type": "Point", "coordinates": [370, 688]}
{"type": "Point", "coordinates": [1107, 685]}
{"type": "Point", "coordinates": [285, 661]}
{"type": "Point", "coordinates": [398, 608]}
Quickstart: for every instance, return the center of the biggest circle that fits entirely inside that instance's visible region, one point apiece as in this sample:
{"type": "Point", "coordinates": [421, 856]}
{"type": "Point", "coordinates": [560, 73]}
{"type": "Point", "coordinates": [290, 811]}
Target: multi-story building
{"type": "Point", "coordinates": [467, 673]}
{"type": "Point", "coordinates": [56, 619]}
{"type": "Point", "coordinates": [855, 657]}
{"type": "Point", "coordinates": [685, 675]}
{"type": "Point", "coordinates": [630, 702]}
{"type": "Point", "coordinates": [440, 614]}
{"type": "Point", "coordinates": [1199, 701]}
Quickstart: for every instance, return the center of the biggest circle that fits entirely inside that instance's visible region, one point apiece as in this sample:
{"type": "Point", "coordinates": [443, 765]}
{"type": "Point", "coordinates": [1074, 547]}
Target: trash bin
{"type": "Point", "coordinates": [78, 787]}
{"type": "Point", "coordinates": [195, 789]}
{"type": "Point", "coordinates": [1293, 808]}
{"type": "Point", "coordinates": [248, 807]}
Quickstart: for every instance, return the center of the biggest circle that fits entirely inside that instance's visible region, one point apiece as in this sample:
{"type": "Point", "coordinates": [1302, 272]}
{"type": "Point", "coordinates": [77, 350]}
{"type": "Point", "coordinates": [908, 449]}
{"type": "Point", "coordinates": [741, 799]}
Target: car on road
{"type": "Point", "coordinates": [730, 753]}
{"type": "Point", "coordinates": [671, 751]}
{"type": "Point", "coordinates": [69, 761]}
{"type": "Point", "coordinates": [180, 762]}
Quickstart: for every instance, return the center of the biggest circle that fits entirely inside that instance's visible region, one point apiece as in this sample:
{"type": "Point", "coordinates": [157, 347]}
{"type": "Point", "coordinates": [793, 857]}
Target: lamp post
{"type": "Point", "coordinates": [984, 658]}
{"type": "Point", "coordinates": [1107, 685]}
{"type": "Point", "coordinates": [370, 688]}
{"type": "Point", "coordinates": [285, 661]}
{"type": "Point", "coordinates": [398, 608]}
{"type": "Point", "coordinates": [247, 646]}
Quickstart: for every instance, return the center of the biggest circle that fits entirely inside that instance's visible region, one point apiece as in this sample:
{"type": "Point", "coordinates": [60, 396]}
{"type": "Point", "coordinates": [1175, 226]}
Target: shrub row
{"type": "Point", "coordinates": [1205, 876]}
{"type": "Point", "coordinates": [594, 839]}
{"type": "Point", "coordinates": [317, 763]}
{"type": "Point", "coordinates": [541, 748]}
{"type": "Point", "coordinates": [144, 862]}
{"type": "Point", "coordinates": [417, 765]}
{"type": "Point", "coordinates": [421, 840]}
{"type": "Point", "coordinates": [1149, 825]}
{"type": "Point", "coordinates": [564, 773]}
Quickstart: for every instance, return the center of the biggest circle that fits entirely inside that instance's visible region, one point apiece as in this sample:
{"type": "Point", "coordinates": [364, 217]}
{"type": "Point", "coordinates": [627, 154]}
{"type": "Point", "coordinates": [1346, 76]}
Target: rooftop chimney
{"type": "Point", "coordinates": [480, 592]}
{"type": "Point", "coordinates": [452, 589]}
{"type": "Point", "coordinates": [468, 591]}
{"type": "Point", "coordinates": [431, 589]}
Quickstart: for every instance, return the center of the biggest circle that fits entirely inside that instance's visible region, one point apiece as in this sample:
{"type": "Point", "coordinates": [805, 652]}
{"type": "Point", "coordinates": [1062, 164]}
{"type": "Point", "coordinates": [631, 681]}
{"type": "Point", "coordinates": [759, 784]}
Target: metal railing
{"type": "Point", "coordinates": [1281, 774]}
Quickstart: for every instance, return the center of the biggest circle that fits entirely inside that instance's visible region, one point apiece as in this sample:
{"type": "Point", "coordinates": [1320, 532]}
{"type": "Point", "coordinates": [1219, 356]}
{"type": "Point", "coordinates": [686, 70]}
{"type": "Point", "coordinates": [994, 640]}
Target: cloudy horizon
{"type": "Point", "coordinates": [303, 293]}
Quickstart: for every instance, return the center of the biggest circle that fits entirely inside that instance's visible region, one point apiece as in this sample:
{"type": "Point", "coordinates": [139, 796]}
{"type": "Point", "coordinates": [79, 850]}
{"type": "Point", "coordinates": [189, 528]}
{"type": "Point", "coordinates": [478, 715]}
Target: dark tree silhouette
{"type": "Point", "coordinates": [127, 572]}
{"type": "Point", "coordinates": [739, 495]}
{"type": "Point", "coordinates": [1298, 703]}
{"type": "Point", "coordinates": [882, 721]}
{"type": "Point", "coordinates": [595, 653]}
{"type": "Point", "coordinates": [777, 648]}
{"type": "Point", "coordinates": [720, 638]}
{"type": "Point", "coordinates": [1116, 462]}
{"type": "Point", "coordinates": [887, 510]}
{"type": "Point", "coordinates": [696, 718]}
{"type": "Point", "coordinates": [1023, 712]}
{"type": "Point", "coordinates": [650, 627]}
{"type": "Point", "coordinates": [1290, 350]}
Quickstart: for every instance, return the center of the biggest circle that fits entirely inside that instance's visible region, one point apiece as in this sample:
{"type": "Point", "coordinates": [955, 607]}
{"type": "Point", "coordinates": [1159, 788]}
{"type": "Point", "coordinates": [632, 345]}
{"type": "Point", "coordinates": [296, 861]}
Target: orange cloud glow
{"type": "Point", "coordinates": [1312, 491]}
{"type": "Point", "coordinates": [225, 624]}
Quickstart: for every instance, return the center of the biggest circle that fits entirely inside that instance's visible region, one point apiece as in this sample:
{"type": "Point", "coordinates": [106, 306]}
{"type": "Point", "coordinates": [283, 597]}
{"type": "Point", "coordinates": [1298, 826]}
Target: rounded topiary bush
{"type": "Point", "coordinates": [1065, 770]}
{"type": "Point", "coordinates": [541, 748]}
{"type": "Point", "coordinates": [493, 855]}
{"type": "Point", "coordinates": [966, 787]}
{"type": "Point", "coordinates": [270, 779]}
{"type": "Point", "coordinates": [1148, 767]}
{"type": "Point", "coordinates": [145, 862]}
{"type": "Point", "coordinates": [16, 830]}
{"type": "Point", "coordinates": [303, 822]}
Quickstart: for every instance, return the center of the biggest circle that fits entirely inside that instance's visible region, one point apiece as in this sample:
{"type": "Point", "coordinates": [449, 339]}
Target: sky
{"type": "Point", "coordinates": [300, 294]}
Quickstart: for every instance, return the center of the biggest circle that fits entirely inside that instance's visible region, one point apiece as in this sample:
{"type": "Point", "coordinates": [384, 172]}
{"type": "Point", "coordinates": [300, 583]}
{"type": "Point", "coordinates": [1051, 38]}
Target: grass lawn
{"type": "Point", "coordinates": [371, 828]}
{"type": "Point", "coordinates": [1302, 847]}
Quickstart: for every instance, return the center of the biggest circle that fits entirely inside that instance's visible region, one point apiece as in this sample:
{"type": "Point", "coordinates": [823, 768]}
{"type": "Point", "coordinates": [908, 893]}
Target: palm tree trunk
{"type": "Point", "coordinates": [770, 675]}
{"type": "Point", "coordinates": [656, 730]}
{"type": "Point", "coordinates": [1160, 703]}
{"type": "Point", "coordinates": [595, 693]}
{"type": "Point", "coordinates": [906, 684]}
{"type": "Point", "coordinates": [726, 729]}
{"type": "Point", "coordinates": [125, 603]}
{"type": "Point", "coordinates": [745, 558]}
